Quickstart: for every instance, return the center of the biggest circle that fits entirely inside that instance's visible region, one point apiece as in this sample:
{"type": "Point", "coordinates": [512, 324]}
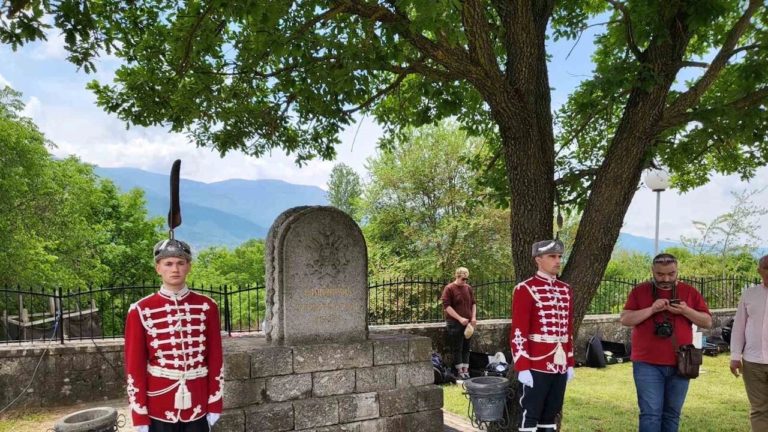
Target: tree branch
{"type": "Point", "coordinates": [578, 174]}
{"type": "Point", "coordinates": [184, 64]}
{"type": "Point", "coordinates": [688, 99]}
{"type": "Point", "coordinates": [313, 61]}
{"type": "Point", "coordinates": [747, 101]}
{"type": "Point", "coordinates": [581, 33]}
{"type": "Point", "coordinates": [477, 30]}
{"type": "Point", "coordinates": [393, 85]}
{"type": "Point", "coordinates": [746, 48]}
{"type": "Point", "coordinates": [503, 9]}
{"type": "Point", "coordinates": [621, 7]}
{"type": "Point", "coordinates": [493, 160]}
{"type": "Point", "coordinates": [16, 7]}
{"type": "Point", "coordinates": [694, 64]}
{"type": "Point", "coordinates": [330, 13]}
{"type": "Point", "coordinates": [452, 58]}
{"type": "Point", "coordinates": [591, 116]}
{"type": "Point", "coordinates": [423, 69]}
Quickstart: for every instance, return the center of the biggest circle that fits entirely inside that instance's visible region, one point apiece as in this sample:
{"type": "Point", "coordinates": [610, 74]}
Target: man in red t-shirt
{"type": "Point", "coordinates": [660, 313]}
{"type": "Point", "coordinates": [460, 311]}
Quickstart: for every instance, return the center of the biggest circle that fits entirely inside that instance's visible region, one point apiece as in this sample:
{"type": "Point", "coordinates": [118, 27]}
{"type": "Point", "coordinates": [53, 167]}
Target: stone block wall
{"type": "Point", "coordinates": [66, 374]}
{"type": "Point", "coordinates": [380, 385]}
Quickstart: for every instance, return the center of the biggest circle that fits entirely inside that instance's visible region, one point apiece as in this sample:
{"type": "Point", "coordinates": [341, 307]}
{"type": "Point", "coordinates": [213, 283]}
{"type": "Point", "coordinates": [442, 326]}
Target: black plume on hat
{"type": "Point", "coordinates": [173, 247]}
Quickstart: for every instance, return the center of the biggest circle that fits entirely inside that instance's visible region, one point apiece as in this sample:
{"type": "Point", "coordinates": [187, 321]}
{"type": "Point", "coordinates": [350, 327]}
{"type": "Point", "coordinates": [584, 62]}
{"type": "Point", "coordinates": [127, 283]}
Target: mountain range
{"type": "Point", "coordinates": [227, 213]}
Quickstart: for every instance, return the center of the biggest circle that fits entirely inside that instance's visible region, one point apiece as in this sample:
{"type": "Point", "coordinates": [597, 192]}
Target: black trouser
{"type": "Point", "coordinates": [458, 346]}
{"type": "Point", "coordinates": [199, 425]}
{"type": "Point", "coordinates": [540, 404]}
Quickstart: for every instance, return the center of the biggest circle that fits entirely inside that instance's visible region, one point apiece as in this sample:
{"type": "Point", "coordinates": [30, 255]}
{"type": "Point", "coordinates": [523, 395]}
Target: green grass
{"type": "Point", "coordinates": [603, 400]}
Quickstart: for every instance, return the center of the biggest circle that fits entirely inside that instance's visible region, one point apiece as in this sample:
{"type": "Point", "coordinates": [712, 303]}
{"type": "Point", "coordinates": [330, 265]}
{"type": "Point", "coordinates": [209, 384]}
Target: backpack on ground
{"type": "Point", "coordinates": [726, 331]}
{"type": "Point", "coordinates": [442, 374]}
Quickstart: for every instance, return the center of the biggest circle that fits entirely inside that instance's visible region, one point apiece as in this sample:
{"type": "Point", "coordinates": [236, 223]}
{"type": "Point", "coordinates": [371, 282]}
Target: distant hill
{"type": "Point", "coordinates": [642, 244]}
{"type": "Point", "coordinates": [225, 213]}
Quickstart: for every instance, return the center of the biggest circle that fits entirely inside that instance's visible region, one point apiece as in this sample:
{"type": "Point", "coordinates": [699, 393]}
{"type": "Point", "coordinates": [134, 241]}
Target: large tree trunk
{"type": "Point", "coordinates": [522, 109]}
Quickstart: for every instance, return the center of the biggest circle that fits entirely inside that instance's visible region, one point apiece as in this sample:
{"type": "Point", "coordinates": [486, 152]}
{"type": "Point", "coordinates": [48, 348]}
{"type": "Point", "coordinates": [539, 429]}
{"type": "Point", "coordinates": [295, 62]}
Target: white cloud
{"type": "Point", "coordinates": [32, 108]}
{"type": "Point", "coordinates": [156, 152]}
{"type": "Point", "coordinates": [103, 140]}
{"type": "Point", "coordinates": [4, 82]}
{"type": "Point", "coordinates": [50, 49]}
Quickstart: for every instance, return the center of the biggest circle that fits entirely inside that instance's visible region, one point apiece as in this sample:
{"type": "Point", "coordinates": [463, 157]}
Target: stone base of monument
{"type": "Point", "coordinates": [383, 384]}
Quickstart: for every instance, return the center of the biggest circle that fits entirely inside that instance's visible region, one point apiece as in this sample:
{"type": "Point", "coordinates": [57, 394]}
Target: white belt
{"type": "Point", "coordinates": [174, 374]}
{"type": "Point", "coordinates": [548, 338]}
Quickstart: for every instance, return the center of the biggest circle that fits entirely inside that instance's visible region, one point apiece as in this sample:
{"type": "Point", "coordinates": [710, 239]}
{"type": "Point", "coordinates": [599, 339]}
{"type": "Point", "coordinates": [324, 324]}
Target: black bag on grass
{"type": "Point", "coordinates": [442, 374]}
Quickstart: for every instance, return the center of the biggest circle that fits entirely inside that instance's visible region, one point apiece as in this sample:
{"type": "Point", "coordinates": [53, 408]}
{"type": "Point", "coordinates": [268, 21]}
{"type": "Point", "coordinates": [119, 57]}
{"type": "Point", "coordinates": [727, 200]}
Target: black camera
{"type": "Point", "coordinates": [663, 329]}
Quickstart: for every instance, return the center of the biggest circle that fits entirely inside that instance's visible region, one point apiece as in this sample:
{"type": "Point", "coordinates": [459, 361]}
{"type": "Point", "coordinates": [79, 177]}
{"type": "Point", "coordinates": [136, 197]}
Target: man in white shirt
{"type": "Point", "coordinates": [749, 347]}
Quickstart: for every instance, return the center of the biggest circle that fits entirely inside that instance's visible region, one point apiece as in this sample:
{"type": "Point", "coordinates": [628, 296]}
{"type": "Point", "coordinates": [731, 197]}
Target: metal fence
{"type": "Point", "coordinates": [62, 314]}
{"type": "Point", "coordinates": [99, 313]}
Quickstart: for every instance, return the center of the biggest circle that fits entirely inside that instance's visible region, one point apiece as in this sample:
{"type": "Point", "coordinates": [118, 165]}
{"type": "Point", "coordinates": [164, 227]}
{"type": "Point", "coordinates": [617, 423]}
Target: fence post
{"type": "Point", "coordinates": [58, 293]}
{"type": "Point", "coordinates": [227, 315]}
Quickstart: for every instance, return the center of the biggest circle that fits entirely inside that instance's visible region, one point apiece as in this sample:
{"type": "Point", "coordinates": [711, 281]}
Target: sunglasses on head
{"type": "Point", "coordinates": [665, 260]}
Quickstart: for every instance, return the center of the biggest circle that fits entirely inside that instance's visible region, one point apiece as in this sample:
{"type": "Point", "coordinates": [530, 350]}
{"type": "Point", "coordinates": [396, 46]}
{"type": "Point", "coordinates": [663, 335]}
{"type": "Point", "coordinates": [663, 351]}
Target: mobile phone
{"type": "Point", "coordinates": [674, 301]}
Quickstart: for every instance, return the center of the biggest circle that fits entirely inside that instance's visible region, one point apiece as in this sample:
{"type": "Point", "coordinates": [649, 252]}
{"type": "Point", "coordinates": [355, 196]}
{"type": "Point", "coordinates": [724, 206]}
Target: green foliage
{"type": "Point", "coordinates": [28, 20]}
{"type": "Point", "coordinates": [628, 265]}
{"type": "Point", "coordinates": [243, 266]}
{"type": "Point", "coordinates": [61, 226]}
{"type": "Point", "coordinates": [240, 270]}
{"type": "Point", "coordinates": [345, 190]}
{"type": "Point", "coordinates": [420, 216]}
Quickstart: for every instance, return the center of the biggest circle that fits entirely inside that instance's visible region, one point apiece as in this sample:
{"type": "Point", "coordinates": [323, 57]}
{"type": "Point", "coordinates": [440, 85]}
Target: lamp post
{"type": "Point", "coordinates": [657, 180]}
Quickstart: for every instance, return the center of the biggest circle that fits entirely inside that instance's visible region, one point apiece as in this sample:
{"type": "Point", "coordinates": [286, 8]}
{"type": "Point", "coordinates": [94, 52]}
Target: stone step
{"type": "Point", "coordinates": [455, 423]}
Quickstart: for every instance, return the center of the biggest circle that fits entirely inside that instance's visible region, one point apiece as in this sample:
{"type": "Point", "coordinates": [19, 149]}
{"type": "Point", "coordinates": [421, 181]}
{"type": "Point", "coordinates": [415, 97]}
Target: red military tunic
{"type": "Point", "coordinates": [173, 357]}
{"type": "Point", "coordinates": [541, 336]}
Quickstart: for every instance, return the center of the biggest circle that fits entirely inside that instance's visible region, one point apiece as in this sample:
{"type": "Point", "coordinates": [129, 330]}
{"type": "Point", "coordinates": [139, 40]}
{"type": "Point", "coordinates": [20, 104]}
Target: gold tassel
{"type": "Point", "coordinates": [560, 355]}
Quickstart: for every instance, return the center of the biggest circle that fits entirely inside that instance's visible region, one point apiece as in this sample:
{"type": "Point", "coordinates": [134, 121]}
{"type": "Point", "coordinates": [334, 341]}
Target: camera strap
{"type": "Point", "coordinates": [655, 294]}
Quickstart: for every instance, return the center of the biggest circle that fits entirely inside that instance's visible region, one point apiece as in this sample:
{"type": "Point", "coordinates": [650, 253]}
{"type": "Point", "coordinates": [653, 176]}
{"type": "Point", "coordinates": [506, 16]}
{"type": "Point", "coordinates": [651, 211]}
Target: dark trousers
{"type": "Point", "coordinates": [541, 404]}
{"type": "Point", "coordinates": [199, 425]}
{"type": "Point", "coordinates": [458, 346]}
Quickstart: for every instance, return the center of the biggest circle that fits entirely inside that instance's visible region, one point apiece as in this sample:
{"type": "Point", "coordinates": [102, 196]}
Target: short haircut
{"type": "Point", "coordinates": [461, 271]}
{"type": "Point", "coordinates": [664, 258]}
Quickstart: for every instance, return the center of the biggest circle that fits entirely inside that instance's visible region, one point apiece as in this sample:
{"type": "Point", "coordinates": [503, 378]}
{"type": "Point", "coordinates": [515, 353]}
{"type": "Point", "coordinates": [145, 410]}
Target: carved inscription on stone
{"type": "Point", "coordinates": [319, 282]}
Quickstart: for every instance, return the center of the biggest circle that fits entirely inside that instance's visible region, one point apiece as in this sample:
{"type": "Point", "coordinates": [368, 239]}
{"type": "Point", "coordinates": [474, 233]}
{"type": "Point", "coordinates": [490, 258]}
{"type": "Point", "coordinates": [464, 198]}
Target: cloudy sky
{"type": "Point", "coordinates": [56, 98]}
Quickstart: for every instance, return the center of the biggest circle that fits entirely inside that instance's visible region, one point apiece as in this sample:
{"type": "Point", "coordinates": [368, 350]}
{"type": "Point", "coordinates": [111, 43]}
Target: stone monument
{"type": "Point", "coordinates": [316, 278]}
{"type": "Point", "coordinates": [317, 369]}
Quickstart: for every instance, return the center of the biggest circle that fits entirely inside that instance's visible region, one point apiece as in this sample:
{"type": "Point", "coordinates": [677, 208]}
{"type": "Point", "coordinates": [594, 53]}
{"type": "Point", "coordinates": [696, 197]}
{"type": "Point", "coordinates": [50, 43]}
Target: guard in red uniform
{"type": "Point", "coordinates": [541, 339]}
{"type": "Point", "coordinates": [173, 355]}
